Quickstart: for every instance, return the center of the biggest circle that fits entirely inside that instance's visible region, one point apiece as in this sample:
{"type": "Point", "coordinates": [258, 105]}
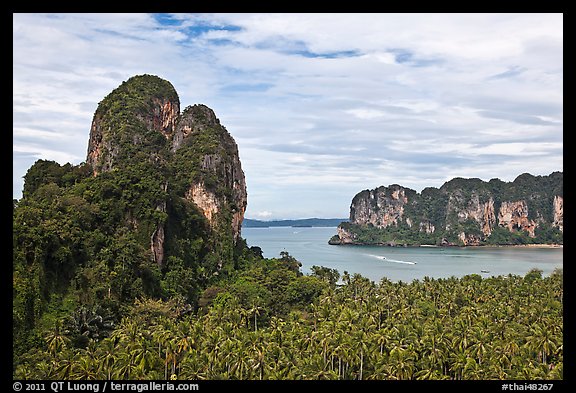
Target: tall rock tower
{"type": "Point", "coordinates": [182, 179]}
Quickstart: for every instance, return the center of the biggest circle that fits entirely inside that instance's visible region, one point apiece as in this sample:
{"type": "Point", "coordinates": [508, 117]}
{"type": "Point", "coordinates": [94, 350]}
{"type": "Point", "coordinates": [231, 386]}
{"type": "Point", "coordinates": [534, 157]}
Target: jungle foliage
{"type": "Point", "coordinates": [269, 322]}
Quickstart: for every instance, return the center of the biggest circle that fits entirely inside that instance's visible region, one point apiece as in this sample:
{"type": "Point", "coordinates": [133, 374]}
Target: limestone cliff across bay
{"type": "Point", "coordinates": [462, 212]}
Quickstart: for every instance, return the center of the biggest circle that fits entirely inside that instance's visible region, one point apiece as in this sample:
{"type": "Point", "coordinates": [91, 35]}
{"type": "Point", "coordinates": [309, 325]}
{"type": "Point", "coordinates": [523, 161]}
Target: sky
{"type": "Point", "coordinates": [322, 106]}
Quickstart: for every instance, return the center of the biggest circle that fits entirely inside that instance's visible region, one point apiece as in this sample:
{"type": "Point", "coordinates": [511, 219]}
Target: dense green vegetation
{"type": "Point", "coordinates": [86, 244]}
{"type": "Point", "coordinates": [403, 235]}
{"type": "Point", "coordinates": [400, 234]}
{"type": "Point", "coordinates": [79, 265]}
{"type": "Point", "coordinates": [269, 321]}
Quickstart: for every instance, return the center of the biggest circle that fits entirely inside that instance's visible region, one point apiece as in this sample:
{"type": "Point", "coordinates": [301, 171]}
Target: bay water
{"type": "Point", "coordinates": [309, 245]}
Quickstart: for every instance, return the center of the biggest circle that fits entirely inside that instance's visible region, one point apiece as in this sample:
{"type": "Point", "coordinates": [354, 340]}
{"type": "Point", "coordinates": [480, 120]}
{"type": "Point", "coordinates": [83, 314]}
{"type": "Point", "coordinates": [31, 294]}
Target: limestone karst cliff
{"type": "Point", "coordinates": [156, 208]}
{"type": "Point", "coordinates": [155, 211]}
{"type": "Point", "coordinates": [461, 212]}
{"type": "Point", "coordinates": [192, 154]}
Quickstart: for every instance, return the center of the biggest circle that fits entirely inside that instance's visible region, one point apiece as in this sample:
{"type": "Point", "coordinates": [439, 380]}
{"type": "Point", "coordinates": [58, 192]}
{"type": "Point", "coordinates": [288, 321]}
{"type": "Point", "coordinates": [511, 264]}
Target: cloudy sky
{"type": "Point", "coordinates": [322, 106]}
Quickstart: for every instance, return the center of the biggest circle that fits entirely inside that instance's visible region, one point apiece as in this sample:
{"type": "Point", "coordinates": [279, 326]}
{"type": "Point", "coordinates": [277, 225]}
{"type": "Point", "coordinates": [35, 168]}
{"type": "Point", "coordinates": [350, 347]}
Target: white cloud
{"type": "Point", "coordinates": [321, 105]}
{"type": "Point", "coordinates": [366, 113]}
{"type": "Point", "coordinates": [263, 214]}
{"type": "Point", "coordinates": [40, 152]}
{"type": "Point", "coordinates": [35, 133]}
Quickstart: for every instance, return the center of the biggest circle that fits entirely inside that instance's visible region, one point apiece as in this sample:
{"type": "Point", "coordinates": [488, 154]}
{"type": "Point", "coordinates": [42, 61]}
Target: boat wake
{"type": "Point", "coordinates": [392, 260]}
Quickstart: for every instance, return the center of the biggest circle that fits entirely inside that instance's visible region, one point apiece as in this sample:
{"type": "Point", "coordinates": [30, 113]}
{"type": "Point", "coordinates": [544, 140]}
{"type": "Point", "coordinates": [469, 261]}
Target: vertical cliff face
{"type": "Point", "coordinates": [462, 211]}
{"type": "Point", "coordinates": [558, 213]}
{"type": "Point", "coordinates": [217, 185]}
{"type": "Point", "coordinates": [381, 207]}
{"type": "Point", "coordinates": [514, 216]}
{"type": "Point", "coordinates": [174, 156]}
{"type": "Point", "coordinates": [163, 116]}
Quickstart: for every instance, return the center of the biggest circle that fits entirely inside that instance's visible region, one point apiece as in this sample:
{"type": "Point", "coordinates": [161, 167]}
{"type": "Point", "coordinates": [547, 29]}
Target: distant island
{"type": "Point", "coordinates": [462, 212]}
{"type": "Point", "coordinates": [305, 222]}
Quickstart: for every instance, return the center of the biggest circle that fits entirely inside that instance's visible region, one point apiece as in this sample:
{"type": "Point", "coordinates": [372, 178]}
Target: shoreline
{"type": "Point", "coordinates": [545, 246]}
{"type": "Point", "coordinates": [518, 246]}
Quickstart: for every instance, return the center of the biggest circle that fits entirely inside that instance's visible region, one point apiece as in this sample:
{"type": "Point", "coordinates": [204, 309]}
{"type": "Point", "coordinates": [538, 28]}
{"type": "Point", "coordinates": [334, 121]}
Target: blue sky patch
{"type": "Point", "coordinates": [198, 30]}
{"type": "Point", "coordinates": [330, 55]}
{"type": "Point", "coordinates": [406, 57]}
{"type": "Point", "coordinates": [167, 20]}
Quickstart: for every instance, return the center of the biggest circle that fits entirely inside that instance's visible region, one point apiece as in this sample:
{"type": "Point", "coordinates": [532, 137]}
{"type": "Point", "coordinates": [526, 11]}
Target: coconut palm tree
{"type": "Point", "coordinates": [107, 358]}
{"type": "Point", "coordinates": [66, 364]}
{"type": "Point", "coordinates": [541, 341]}
{"type": "Point", "coordinates": [56, 339]}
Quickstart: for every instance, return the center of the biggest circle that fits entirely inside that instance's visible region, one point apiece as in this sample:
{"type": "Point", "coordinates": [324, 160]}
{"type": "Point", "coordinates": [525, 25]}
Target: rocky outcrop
{"type": "Point", "coordinates": [157, 244]}
{"type": "Point", "coordinates": [558, 213]}
{"type": "Point", "coordinates": [158, 236]}
{"type": "Point", "coordinates": [381, 207]}
{"type": "Point", "coordinates": [192, 156]}
{"type": "Point", "coordinates": [345, 237]}
{"type": "Point", "coordinates": [195, 119]}
{"type": "Point", "coordinates": [469, 239]}
{"type": "Point", "coordinates": [127, 121]}
{"type": "Point", "coordinates": [205, 200]}
{"type": "Point", "coordinates": [427, 227]}
{"type": "Point", "coordinates": [461, 212]}
{"type": "Point", "coordinates": [220, 184]}
{"type": "Point", "coordinates": [162, 116]}
{"type": "Point", "coordinates": [97, 144]}
{"type": "Point", "coordinates": [473, 209]}
{"type": "Point", "coordinates": [514, 216]}
{"type": "Point", "coordinates": [155, 212]}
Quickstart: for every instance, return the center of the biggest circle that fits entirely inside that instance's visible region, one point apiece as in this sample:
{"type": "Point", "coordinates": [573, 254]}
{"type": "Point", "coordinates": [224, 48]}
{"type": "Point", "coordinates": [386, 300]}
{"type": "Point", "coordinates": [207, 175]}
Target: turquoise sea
{"type": "Point", "coordinates": [310, 246]}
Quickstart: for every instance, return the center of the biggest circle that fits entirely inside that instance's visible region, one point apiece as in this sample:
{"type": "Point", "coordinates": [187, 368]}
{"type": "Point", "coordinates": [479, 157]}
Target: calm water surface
{"type": "Point", "coordinates": [310, 246]}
